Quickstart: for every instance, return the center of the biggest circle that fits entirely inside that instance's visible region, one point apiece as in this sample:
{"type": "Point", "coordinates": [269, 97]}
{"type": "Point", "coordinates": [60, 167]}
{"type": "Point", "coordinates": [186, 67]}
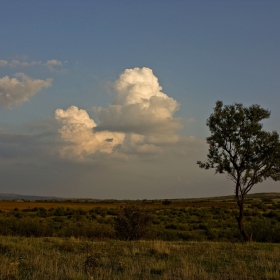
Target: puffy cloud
{"type": "Point", "coordinates": [78, 131]}
{"type": "Point", "coordinates": [139, 105]}
{"type": "Point", "coordinates": [15, 91]}
{"type": "Point", "coordinates": [54, 62]}
{"type": "Point", "coordinates": [138, 121]}
{"type": "Point", "coordinates": [74, 115]}
{"type": "Point", "coordinates": [137, 86]}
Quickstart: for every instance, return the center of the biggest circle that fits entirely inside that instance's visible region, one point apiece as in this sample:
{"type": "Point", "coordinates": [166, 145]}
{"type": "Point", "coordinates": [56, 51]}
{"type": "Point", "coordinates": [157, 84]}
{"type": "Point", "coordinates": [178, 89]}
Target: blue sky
{"type": "Point", "coordinates": [78, 53]}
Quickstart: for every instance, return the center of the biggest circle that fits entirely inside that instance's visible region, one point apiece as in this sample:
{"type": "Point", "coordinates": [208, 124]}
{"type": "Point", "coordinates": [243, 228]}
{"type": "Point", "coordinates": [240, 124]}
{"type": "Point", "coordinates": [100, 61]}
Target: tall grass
{"type": "Point", "coordinates": [69, 258]}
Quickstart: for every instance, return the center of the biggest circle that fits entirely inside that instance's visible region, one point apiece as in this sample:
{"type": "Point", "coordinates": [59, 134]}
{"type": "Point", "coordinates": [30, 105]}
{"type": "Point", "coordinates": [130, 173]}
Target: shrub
{"type": "Point", "coordinates": [59, 211]}
{"type": "Point", "coordinates": [132, 222]}
{"type": "Point", "coordinates": [166, 202]}
{"type": "Point", "coordinates": [262, 206]}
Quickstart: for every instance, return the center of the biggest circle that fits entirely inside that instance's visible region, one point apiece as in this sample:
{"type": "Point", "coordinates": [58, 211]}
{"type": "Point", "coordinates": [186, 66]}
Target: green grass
{"type": "Point", "coordinates": [61, 258]}
{"type": "Point", "coordinates": [80, 243]}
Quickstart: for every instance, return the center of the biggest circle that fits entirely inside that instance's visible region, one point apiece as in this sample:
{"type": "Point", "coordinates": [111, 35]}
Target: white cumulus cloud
{"type": "Point", "coordinates": [139, 120]}
{"type": "Point", "coordinates": [139, 105]}
{"type": "Point", "coordinates": [15, 91]}
{"type": "Point", "coordinates": [78, 131]}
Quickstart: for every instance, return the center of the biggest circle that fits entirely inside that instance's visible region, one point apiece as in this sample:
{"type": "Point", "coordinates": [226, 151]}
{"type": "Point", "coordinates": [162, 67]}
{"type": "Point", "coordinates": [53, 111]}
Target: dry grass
{"type": "Point", "coordinates": [11, 205]}
{"type": "Point", "coordinates": [20, 205]}
{"type": "Point", "coordinates": [55, 258]}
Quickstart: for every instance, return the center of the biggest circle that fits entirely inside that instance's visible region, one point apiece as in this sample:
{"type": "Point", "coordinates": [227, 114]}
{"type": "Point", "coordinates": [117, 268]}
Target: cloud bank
{"type": "Point", "coordinates": [13, 63]}
{"type": "Point", "coordinates": [52, 65]}
{"type": "Point", "coordinates": [139, 120]}
{"type": "Point", "coordinates": [16, 91]}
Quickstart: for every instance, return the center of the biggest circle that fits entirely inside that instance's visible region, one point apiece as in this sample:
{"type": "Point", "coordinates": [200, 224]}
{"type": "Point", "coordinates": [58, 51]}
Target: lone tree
{"type": "Point", "coordinates": [240, 148]}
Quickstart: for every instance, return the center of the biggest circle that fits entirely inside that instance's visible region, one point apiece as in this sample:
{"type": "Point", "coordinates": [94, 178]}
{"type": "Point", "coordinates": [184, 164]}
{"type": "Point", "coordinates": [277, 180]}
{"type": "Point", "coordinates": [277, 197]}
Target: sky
{"type": "Point", "coordinates": [109, 99]}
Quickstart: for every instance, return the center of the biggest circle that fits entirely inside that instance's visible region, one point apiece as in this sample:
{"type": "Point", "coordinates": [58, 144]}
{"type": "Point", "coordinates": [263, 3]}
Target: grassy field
{"type": "Point", "coordinates": [187, 239]}
{"type": "Point", "coordinates": [70, 258]}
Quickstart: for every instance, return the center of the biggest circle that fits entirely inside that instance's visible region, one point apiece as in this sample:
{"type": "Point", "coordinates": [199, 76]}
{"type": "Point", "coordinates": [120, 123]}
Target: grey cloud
{"type": "Point", "coordinates": [52, 65]}
{"type": "Point", "coordinates": [3, 62]}
{"type": "Point", "coordinates": [134, 118]}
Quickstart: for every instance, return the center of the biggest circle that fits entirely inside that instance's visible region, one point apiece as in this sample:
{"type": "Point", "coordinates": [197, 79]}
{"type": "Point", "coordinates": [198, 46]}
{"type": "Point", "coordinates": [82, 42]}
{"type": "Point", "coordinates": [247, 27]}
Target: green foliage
{"type": "Point", "coordinates": [262, 206]}
{"type": "Point", "coordinates": [132, 222]}
{"type": "Point", "coordinates": [239, 147]}
{"type": "Point", "coordinates": [59, 211]}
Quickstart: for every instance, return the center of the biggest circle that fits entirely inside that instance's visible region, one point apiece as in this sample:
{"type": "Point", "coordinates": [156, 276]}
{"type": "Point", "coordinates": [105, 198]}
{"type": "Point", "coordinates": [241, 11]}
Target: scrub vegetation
{"type": "Point", "coordinates": [178, 220]}
{"type": "Point", "coordinates": [212, 219]}
{"type": "Point", "coordinates": [176, 239]}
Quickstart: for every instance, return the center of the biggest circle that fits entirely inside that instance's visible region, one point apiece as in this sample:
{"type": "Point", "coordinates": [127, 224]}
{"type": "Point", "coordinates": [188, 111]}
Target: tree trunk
{"type": "Point", "coordinates": [246, 236]}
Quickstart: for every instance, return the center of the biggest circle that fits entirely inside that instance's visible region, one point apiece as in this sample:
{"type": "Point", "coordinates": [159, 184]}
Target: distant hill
{"type": "Point", "coordinates": [12, 196]}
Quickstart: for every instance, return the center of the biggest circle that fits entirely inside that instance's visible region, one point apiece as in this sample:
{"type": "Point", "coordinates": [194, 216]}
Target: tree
{"type": "Point", "coordinates": [240, 148]}
{"type": "Point", "coordinates": [132, 222]}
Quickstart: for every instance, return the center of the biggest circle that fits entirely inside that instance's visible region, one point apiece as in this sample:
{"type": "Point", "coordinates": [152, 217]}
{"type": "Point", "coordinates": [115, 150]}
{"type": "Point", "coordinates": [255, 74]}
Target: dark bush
{"type": "Point", "coordinates": [59, 211]}
{"type": "Point", "coordinates": [132, 222]}
{"type": "Point", "coordinates": [171, 226]}
{"type": "Point", "coordinates": [262, 206]}
{"type": "Point", "coordinates": [166, 202]}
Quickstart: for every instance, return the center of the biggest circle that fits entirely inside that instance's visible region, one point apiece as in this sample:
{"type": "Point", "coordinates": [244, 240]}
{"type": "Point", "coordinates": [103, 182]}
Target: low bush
{"type": "Point", "coordinates": [132, 222]}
